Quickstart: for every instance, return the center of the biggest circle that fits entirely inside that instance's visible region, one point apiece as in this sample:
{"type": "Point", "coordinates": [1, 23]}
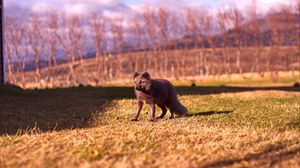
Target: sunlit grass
{"type": "Point", "coordinates": [93, 128]}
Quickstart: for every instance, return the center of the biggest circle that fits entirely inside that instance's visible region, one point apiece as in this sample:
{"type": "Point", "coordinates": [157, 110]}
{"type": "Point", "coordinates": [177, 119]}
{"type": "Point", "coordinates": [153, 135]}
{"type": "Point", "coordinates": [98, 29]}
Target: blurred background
{"type": "Point", "coordinates": [64, 43]}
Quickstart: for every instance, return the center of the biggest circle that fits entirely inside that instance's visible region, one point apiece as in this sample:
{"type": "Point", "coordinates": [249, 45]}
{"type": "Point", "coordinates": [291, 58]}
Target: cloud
{"type": "Point", "coordinates": [8, 2]}
{"type": "Point", "coordinates": [175, 5]}
{"type": "Point", "coordinates": [68, 6]}
{"type": "Point", "coordinates": [40, 7]}
{"type": "Point", "coordinates": [91, 2]}
{"type": "Point", "coordinates": [84, 6]}
{"type": "Point", "coordinates": [263, 5]}
{"type": "Point", "coordinates": [77, 8]}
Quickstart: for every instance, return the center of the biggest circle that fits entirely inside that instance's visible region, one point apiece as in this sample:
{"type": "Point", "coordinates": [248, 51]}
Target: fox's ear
{"type": "Point", "coordinates": [136, 74]}
{"type": "Point", "coordinates": [146, 75]}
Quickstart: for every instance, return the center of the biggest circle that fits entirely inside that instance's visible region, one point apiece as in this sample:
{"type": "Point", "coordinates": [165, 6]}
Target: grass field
{"type": "Point", "coordinates": [227, 126]}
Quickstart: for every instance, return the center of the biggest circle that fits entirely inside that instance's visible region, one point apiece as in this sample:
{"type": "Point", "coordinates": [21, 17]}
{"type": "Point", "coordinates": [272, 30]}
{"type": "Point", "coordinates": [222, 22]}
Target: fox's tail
{"type": "Point", "coordinates": [179, 109]}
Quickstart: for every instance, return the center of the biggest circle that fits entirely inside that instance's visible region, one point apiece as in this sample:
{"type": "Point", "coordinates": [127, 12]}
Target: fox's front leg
{"type": "Point", "coordinates": [152, 106]}
{"type": "Point", "coordinates": [138, 110]}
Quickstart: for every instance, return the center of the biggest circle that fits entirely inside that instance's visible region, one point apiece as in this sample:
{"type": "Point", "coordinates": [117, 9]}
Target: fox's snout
{"type": "Point", "coordinates": [139, 87]}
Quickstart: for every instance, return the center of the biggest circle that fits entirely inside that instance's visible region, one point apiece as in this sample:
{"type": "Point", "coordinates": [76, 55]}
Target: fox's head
{"type": "Point", "coordinates": [142, 82]}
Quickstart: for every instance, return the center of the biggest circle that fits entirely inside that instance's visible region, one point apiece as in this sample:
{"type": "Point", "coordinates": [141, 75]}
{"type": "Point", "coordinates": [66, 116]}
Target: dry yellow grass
{"type": "Point", "coordinates": [162, 144]}
{"type": "Point", "coordinates": [248, 129]}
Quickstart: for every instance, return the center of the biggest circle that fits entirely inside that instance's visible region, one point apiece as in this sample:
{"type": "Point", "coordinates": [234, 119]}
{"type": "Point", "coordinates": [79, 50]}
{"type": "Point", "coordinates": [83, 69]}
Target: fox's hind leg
{"type": "Point", "coordinates": [171, 111]}
{"type": "Point", "coordinates": [172, 115]}
{"type": "Point", "coordinates": [163, 111]}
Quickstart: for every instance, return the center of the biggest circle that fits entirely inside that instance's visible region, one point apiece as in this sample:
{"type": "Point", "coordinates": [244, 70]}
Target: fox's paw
{"type": "Point", "coordinates": [134, 119]}
{"type": "Point", "coordinates": [152, 120]}
{"type": "Point", "coordinates": [159, 117]}
{"type": "Point", "coordinates": [171, 118]}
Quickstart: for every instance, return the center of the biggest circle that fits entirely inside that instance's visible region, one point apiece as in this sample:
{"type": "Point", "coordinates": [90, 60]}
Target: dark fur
{"type": "Point", "coordinates": [156, 92]}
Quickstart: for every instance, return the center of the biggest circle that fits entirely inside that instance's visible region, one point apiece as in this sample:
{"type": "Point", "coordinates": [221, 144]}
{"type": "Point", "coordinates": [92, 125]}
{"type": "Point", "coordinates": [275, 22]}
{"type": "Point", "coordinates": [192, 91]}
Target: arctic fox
{"type": "Point", "coordinates": [156, 91]}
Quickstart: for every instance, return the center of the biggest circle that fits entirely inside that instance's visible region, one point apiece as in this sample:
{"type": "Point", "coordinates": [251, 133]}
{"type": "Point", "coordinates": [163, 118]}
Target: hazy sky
{"type": "Point", "coordinates": [82, 6]}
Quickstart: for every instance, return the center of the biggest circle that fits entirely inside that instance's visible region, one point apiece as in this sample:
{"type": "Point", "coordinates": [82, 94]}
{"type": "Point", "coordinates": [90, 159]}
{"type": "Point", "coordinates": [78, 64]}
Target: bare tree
{"type": "Point", "coordinates": [237, 19]}
{"type": "Point", "coordinates": [80, 39]}
{"type": "Point", "coordinates": [193, 28]}
{"type": "Point", "coordinates": [288, 35]}
{"type": "Point", "coordinates": [52, 43]}
{"type": "Point", "coordinates": [139, 35]}
{"type": "Point", "coordinates": [211, 63]}
{"type": "Point", "coordinates": [177, 29]}
{"type": "Point", "coordinates": [255, 31]}
{"type": "Point", "coordinates": [36, 42]}
{"type": "Point", "coordinates": [164, 29]}
{"type": "Point", "coordinates": [52, 27]}
{"type": "Point", "coordinates": [97, 25]}
{"type": "Point", "coordinates": [222, 20]}
{"type": "Point", "coordinates": [67, 41]}
{"type": "Point", "coordinates": [275, 43]}
{"type": "Point", "coordinates": [118, 41]}
{"type": "Point", "coordinates": [297, 9]}
{"type": "Point", "coordinates": [149, 17]}
{"type": "Point", "coordinates": [20, 49]}
{"type": "Point", "coordinates": [8, 36]}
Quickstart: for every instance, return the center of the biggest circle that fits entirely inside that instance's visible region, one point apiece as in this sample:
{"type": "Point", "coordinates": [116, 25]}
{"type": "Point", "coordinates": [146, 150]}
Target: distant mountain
{"type": "Point", "coordinates": [22, 12]}
{"type": "Point", "coordinates": [288, 36]}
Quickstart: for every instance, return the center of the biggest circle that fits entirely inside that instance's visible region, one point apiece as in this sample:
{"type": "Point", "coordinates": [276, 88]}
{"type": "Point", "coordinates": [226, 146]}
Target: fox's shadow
{"type": "Point", "coordinates": [208, 113]}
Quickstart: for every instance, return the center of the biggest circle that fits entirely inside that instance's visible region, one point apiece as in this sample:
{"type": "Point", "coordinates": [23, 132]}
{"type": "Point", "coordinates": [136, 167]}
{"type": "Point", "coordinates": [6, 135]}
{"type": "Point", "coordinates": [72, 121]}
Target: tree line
{"type": "Point", "coordinates": [192, 42]}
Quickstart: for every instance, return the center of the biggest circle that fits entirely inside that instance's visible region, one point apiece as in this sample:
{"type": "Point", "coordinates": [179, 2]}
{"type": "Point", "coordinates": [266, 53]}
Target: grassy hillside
{"type": "Point", "coordinates": [176, 65]}
{"type": "Point", "coordinates": [228, 126]}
